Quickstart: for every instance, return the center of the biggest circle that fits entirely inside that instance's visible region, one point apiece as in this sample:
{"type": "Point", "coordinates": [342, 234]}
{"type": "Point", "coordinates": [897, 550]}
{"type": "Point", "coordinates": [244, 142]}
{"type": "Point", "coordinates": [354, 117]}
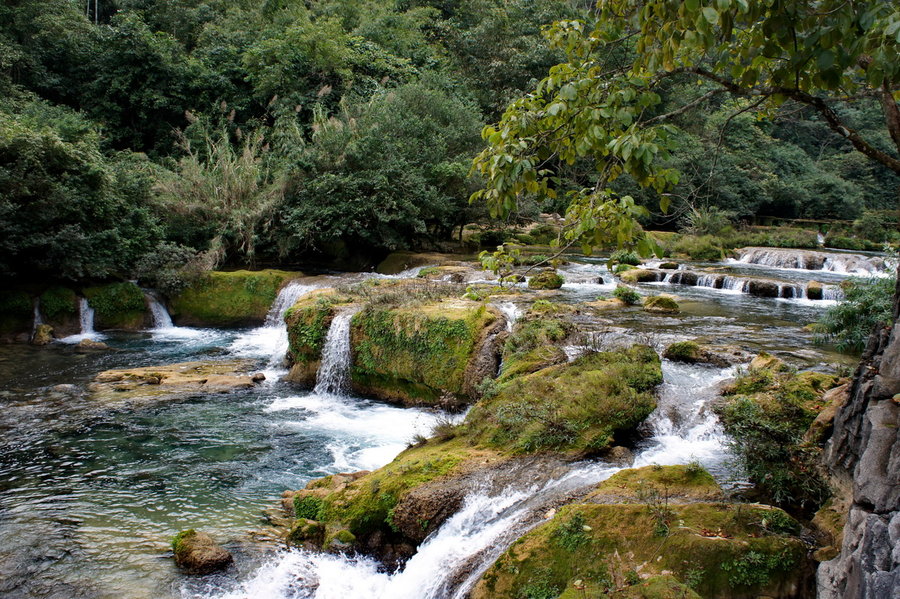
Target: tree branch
{"type": "Point", "coordinates": [686, 107]}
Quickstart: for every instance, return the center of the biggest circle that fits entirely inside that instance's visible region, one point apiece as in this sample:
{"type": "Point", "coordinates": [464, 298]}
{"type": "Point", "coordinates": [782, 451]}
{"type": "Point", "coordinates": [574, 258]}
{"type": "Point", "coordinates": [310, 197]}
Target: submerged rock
{"type": "Point", "coordinates": [172, 381]}
{"type": "Point", "coordinates": [692, 352]}
{"type": "Point", "coordinates": [198, 553]}
{"type": "Point", "coordinates": [90, 345]}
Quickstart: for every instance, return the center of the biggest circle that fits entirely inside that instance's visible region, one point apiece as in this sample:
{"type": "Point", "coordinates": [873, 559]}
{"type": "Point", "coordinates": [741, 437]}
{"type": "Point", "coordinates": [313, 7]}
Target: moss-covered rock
{"type": "Point", "coordinates": [622, 550]}
{"type": "Point", "coordinates": [59, 308]}
{"type": "Point", "coordinates": [424, 354]}
{"type": "Point", "coordinates": [397, 262]}
{"type": "Point", "coordinates": [677, 483]}
{"type": "Point", "coordinates": [43, 335]}
{"type": "Point", "coordinates": [117, 306]}
{"type": "Point", "coordinates": [661, 304]}
{"type": "Point", "coordinates": [198, 553]}
{"type": "Point", "coordinates": [229, 299]}
{"type": "Point", "coordinates": [546, 279]}
{"type": "Point", "coordinates": [525, 362]}
{"type": "Point", "coordinates": [579, 406]}
{"type": "Point", "coordinates": [692, 352]}
{"type": "Point", "coordinates": [768, 412]}
{"type": "Point", "coordinates": [766, 361]}
{"type": "Point", "coordinates": [814, 290]}
{"type": "Point", "coordinates": [641, 275]}
{"type": "Point", "coordinates": [669, 266]}
{"type": "Point", "coordinates": [16, 313]}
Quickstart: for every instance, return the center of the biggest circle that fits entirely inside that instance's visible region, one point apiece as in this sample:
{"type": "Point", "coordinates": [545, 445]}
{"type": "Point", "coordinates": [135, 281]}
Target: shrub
{"type": "Point", "coordinates": [627, 295]}
{"type": "Point", "coordinates": [625, 257]}
{"type": "Point", "coordinates": [707, 220]}
{"type": "Point", "coordinates": [705, 249]}
{"type": "Point", "coordinates": [866, 303]}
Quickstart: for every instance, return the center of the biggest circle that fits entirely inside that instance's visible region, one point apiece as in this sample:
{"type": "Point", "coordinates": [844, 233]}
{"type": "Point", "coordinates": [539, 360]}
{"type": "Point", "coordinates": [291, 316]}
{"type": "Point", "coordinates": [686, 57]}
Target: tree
{"type": "Point", "coordinates": [605, 103]}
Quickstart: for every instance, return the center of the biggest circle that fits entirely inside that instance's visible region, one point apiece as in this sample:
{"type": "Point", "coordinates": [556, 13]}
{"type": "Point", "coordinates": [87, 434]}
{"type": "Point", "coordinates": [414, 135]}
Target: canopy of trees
{"type": "Point", "coordinates": [247, 131]}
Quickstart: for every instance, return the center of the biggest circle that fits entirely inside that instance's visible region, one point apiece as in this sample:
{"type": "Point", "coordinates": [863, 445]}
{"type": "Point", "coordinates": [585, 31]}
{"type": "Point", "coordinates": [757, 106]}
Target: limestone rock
{"type": "Point", "coordinates": [198, 553]}
{"type": "Point", "coordinates": [86, 345]}
{"type": "Point", "coordinates": [547, 279]}
{"type": "Point", "coordinates": [661, 304]}
{"type": "Point", "coordinates": [43, 334]}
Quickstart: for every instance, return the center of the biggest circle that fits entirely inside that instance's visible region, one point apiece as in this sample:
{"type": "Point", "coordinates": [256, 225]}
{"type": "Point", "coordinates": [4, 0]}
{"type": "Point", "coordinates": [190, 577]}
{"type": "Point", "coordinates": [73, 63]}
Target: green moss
{"type": "Point", "coordinates": [16, 311]}
{"type": "Point", "coordinates": [178, 541]}
{"type": "Point", "coordinates": [546, 279]}
{"type": "Point", "coordinates": [532, 360]}
{"type": "Point", "coordinates": [687, 481]}
{"type": "Point", "coordinates": [307, 324]}
{"type": "Point", "coordinates": [683, 351]}
{"type": "Point", "coordinates": [117, 305]}
{"type": "Point", "coordinates": [59, 303]}
{"type": "Point", "coordinates": [661, 303]}
{"type": "Point", "coordinates": [579, 406]}
{"type": "Point", "coordinates": [767, 412]}
{"type": "Point", "coordinates": [615, 540]}
{"type": "Point", "coordinates": [416, 353]}
{"type": "Point", "coordinates": [365, 505]}
{"type": "Point", "coordinates": [532, 333]}
{"type": "Point", "coordinates": [307, 507]}
{"type": "Point", "coordinates": [228, 299]}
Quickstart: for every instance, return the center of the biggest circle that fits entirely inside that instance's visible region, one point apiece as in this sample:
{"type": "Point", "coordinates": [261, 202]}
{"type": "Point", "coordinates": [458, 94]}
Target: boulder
{"type": "Point", "coordinates": [87, 345]}
{"type": "Point", "coordinates": [814, 290]}
{"type": "Point", "coordinates": [669, 266]}
{"type": "Point", "coordinates": [661, 304]}
{"type": "Point", "coordinates": [229, 299]}
{"type": "Point", "coordinates": [692, 352]}
{"type": "Point", "coordinates": [760, 288]}
{"type": "Point", "coordinates": [641, 275]}
{"type": "Point", "coordinates": [765, 361]}
{"type": "Point", "coordinates": [546, 279]}
{"type": "Point", "coordinates": [197, 553]}
{"type": "Point", "coordinates": [43, 334]}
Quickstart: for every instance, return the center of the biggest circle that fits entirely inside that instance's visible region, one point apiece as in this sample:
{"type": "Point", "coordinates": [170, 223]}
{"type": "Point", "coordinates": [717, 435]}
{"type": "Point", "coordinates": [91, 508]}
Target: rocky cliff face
{"type": "Point", "coordinates": [863, 459]}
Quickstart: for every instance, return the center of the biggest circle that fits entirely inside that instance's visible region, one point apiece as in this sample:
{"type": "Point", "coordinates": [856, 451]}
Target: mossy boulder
{"type": "Point", "coordinates": [661, 304]}
{"type": "Point", "coordinates": [522, 363]}
{"type": "Point", "coordinates": [388, 511]}
{"type": "Point", "coordinates": [814, 290]}
{"type": "Point", "coordinates": [43, 335]}
{"type": "Point", "coordinates": [197, 553]}
{"type": "Point", "coordinates": [680, 483]}
{"type": "Point", "coordinates": [434, 353]}
{"type": "Point", "coordinates": [397, 262]}
{"type": "Point", "coordinates": [59, 308]}
{"type": "Point", "coordinates": [691, 352]}
{"type": "Point", "coordinates": [229, 299]}
{"type": "Point", "coordinates": [117, 306]}
{"type": "Point", "coordinates": [546, 279]}
{"type": "Point", "coordinates": [16, 313]}
{"type": "Point", "coordinates": [640, 275]}
{"type": "Point", "coordinates": [768, 412]}
{"type": "Point", "coordinates": [578, 407]}
{"type": "Point", "coordinates": [766, 361]}
{"type": "Point", "coordinates": [669, 266]}
{"type": "Point", "coordinates": [451, 273]}
{"type": "Point", "coordinates": [622, 550]}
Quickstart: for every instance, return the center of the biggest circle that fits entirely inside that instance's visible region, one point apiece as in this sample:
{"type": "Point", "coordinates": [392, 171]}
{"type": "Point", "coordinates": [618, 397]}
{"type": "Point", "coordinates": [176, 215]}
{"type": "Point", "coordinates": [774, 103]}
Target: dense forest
{"type": "Point", "coordinates": [140, 135]}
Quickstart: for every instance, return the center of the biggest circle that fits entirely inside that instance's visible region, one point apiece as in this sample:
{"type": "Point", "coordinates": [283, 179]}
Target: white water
{"type": "Point", "coordinates": [86, 318]}
{"type": "Point", "coordinates": [788, 259]}
{"type": "Point", "coordinates": [270, 341]}
{"type": "Point", "coordinates": [334, 371]}
{"type": "Point", "coordinates": [38, 321]}
{"type": "Point", "coordinates": [511, 312]}
{"type": "Point", "coordinates": [161, 318]}
{"type": "Point", "coordinates": [452, 559]}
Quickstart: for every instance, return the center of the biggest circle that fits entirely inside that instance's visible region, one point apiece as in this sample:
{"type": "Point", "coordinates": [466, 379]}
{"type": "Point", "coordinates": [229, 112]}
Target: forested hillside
{"type": "Point", "coordinates": [136, 135]}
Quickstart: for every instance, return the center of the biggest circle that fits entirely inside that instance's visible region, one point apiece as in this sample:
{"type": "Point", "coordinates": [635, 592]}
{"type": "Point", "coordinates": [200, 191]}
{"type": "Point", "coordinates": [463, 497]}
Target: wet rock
{"type": "Point", "coordinates": [43, 334]}
{"type": "Point", "coordinates": [620, 455]}
{"type": "Point", "coordinates": [198, 553]}
{"type": "Point", "coordinates": [641, 275]}
{"type": "Point", "coordinates": [765, 361]}
{"type": "Point", "coordinates": [814, 290]}
{"type": "Point", "coordinates": [669, 266]}
{"type": "Point", "coordinates": [90, 345]}
{"type": "Point", "coordinates": [547, 279]}
{"type": "Point", "coordinates": [692, 352]}
{"type": "Point", "coordinates": [759, 288]}
{"type": "Point", "coordinates": [820, 429]}
{"type": "Point", "coordinates": [661, 304]}
{"type": "Point", "coordinates": [258, 377]}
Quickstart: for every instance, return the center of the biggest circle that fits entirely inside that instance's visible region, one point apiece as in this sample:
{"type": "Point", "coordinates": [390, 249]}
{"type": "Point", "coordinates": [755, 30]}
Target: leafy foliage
{"type": "Point", "coordinates": [866, 303]}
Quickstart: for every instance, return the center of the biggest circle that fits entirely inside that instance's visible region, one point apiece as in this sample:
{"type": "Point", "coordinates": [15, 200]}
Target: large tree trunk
{"type": "Point", "coordinates": [863, 458]}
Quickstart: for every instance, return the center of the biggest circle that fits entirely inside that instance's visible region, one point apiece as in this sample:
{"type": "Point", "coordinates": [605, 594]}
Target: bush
{"type": "Point", "coordinates": [625, 257]}
{"type": "Point", "coordinates": [627, 295]}
{"type": "Point", "coordinates": [704, 249]}
{"type": "Point", "coordinates": [707, 221]}
{"type": "Point", "coordinates": [866, 303]}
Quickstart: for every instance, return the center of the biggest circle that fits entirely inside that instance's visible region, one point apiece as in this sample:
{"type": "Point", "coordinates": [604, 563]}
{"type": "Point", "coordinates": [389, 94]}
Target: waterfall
{"type": "Point", "coordinates": [334, 371]}
{"type": "Point", "coordinates": [841, 263]}
{"type": "Point", "coordinates": [161, 318]}
{"type": "Point", "coordinates": [86, 316]}
{"type": "Point", "coordinates": [270, 341]}
{"type": "Point", "coordinates": [512, 313]}
{"type": "Point", "coordinates": [38, 321]}
{"type": "Point", "coordinates": [833, 293]}
{"type": "Point", "coordinates": [450, 561]}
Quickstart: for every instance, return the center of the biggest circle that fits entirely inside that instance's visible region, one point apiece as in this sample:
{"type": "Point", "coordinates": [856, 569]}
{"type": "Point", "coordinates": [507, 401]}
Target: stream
{"type": "Point", "coordinates": [90, 495]}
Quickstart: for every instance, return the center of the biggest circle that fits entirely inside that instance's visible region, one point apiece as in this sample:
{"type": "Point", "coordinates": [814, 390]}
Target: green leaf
{"type": "Point", "coordinates": [711, 15]}
{"type": "Point", "coordinates": [825, 59]}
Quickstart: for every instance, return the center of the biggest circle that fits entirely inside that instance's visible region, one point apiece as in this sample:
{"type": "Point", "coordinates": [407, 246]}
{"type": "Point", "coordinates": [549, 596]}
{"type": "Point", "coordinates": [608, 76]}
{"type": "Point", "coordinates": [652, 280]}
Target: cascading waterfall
{"type": "Point", "coordinates": [334, 371]}
{"type": "Point", "coordinates": [270, 341]}
{"type": "Point", "coordinates": [161, 318]}
{"type": "Point", "coordinates": [512, 313]}
{"type": "Point", "coordinates": [38, 321]}
{"type": "Point", "coordinates": [453, 558]}
{"type": "Point", "coordinates": [841, 263]}
{"type": "Point", "coordinates": [86, 316]}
